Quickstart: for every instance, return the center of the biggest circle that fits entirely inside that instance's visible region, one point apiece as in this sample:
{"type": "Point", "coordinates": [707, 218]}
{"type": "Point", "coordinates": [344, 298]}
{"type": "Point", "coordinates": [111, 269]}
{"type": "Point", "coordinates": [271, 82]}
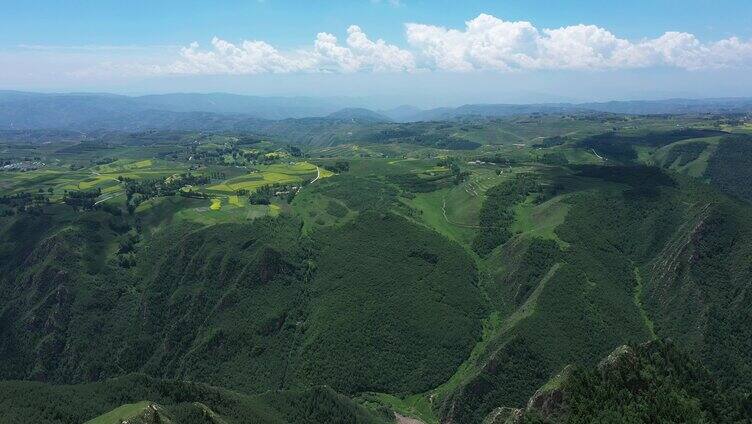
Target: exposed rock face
{"type": "Point", "coordinates": [504, 415]}
{"type": "Point", "coordinates": [549, 403]}
{"type": "Point", "coordinates": [152, 414]}
{"type": "Point", "coordinates": [622, 357]}
{"type": "Point", "coordinates": [401, 419]}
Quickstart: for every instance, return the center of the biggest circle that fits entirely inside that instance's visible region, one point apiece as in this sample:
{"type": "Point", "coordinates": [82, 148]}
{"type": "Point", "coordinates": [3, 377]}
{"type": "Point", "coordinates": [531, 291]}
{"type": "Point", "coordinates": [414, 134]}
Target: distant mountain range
{"type": "Point", "coordinates": [632, 107]}
{"type": "Point", "coordinates": [221, 111]}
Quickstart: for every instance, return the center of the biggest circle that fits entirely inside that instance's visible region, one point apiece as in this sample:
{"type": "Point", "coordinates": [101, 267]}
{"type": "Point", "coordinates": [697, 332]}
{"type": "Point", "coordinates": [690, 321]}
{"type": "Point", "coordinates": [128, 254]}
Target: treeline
{"type": "Point", "coordinates": [81, 199]}
{"type": "Point", "coordinates": [551, 142]}
{"type": "Point", "coordinates": [232, 154]}
{"type": "Point", "coordinates": [23, 202]}
{"type": "Point", "coordinates": [423, 183]}
{"type": "Point", "coordinates": [338, 166]}
{"type": "Point", "coordinates": [422, 134]}
{"type": "Point", "coordinates": [137, 191]}
{"type": "Point", "coordinates": [264, 194]}
{"type": "Point", "coordinates": [454, 167]}
{"type": "Point", "coordinates": [497, 213]}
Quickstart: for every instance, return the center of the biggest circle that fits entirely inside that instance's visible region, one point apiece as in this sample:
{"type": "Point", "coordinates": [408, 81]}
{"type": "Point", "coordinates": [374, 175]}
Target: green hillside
{"type": "Point", "coordinates": [230, 278]}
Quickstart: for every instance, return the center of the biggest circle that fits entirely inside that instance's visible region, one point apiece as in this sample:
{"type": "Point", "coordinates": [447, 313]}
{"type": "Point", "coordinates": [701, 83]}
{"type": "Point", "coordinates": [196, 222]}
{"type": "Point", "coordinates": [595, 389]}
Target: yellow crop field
{"type": "Point", "coordinates": [216, 204]}
{"type": "Point", "coordinates": [295, 169]}
{"type": "Point", "coordinates": [270, 175]}
{"type": "Point", "coordinates": [146, 163]}
{"type": "Point", "coordinates": [124, 165]}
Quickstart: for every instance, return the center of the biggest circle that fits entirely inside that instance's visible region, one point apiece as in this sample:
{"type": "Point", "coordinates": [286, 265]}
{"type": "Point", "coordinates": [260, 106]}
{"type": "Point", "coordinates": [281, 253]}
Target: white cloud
{"type": "Point", "coordinates": [251, 57]}
{"type": "Point", "coordinates": [490, 43]}
{"type": "Point", "coordinates": [378, 55]}
{"type": "Point", "coordinates": [327, 55]}
{"type": "Point", "coordinates": [486, 43]}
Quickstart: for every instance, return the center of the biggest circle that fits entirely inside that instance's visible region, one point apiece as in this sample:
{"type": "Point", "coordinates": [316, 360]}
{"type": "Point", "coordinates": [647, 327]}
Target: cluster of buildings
{"type": "Point", "coordinates": [22, 166]}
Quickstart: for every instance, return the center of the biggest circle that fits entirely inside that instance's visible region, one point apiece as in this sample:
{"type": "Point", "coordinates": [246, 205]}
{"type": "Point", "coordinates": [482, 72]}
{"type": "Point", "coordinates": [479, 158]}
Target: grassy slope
{"type": "Point", "coordinates": [120, 414]}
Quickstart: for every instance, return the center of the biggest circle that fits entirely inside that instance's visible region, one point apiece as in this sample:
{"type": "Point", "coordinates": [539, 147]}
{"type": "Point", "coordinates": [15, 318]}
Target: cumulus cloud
{"type": "Point", "coordinates": [485, 43]}
{"type": "Point", "coordinates": [490, 43]}
{"type": "Point", "coordinates": [359, 53]}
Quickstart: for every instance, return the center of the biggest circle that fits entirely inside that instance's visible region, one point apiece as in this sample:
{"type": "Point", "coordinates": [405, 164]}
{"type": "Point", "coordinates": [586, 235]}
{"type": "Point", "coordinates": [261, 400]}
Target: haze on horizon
{"type": "Point", "coordinates": [390, 52]}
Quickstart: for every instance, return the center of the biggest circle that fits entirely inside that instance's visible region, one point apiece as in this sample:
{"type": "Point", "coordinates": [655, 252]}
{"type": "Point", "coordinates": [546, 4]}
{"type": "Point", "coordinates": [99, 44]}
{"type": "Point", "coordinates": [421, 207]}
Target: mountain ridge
{"type": "Point", "coordinates": [222, 111]}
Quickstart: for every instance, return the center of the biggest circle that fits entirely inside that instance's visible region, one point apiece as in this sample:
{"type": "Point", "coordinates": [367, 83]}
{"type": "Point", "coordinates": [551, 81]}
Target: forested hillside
{"type": "Point", "coordinates": [247, 306]}
{"type": "Point", "coordinates": [439, 271]}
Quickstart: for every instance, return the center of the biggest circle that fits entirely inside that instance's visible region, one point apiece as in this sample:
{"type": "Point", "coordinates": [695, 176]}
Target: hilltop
{"type": "Point", "coordinates": [652, 382]}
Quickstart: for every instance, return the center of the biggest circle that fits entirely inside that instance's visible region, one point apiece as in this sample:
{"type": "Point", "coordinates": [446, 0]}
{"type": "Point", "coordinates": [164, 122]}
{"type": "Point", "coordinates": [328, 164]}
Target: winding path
{"type": "Point", "coordinates": [104, 199]}
{"type": "Point", "coordinates": [318, 175]}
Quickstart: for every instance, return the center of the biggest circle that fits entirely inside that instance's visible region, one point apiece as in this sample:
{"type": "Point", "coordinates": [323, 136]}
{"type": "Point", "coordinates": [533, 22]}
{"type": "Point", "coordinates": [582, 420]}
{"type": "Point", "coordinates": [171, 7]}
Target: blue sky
{"type": "Point", "coordinates": [462, 50]}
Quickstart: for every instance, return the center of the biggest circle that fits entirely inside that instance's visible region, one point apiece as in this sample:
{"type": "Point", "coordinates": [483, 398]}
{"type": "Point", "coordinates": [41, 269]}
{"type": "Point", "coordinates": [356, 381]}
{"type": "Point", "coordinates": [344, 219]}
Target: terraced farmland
{"type": "Point", "coordinates": [274, 174]}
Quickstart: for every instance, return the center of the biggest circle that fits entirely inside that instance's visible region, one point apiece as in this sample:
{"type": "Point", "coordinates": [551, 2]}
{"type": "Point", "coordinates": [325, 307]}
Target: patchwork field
{"type": "Point", "coordinates": [295, 173]}
{"type": "Point", "coordinates": [103, 177]}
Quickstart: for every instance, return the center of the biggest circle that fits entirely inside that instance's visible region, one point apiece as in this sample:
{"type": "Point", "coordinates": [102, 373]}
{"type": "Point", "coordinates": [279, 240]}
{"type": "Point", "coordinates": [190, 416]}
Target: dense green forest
{"type": "Point", "coordinates": [424, 313]}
